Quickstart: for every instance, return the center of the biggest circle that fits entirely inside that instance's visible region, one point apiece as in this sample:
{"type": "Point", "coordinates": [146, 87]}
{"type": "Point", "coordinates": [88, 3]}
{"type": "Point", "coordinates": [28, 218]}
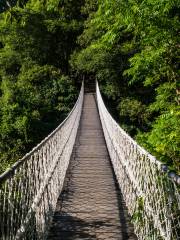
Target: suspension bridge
{"type": "Point", "coordinates": [89, 180]}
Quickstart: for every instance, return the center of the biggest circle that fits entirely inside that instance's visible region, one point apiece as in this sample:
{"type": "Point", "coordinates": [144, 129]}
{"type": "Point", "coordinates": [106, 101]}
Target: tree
{"type": "Point", "coordinates": [132, 48]}
{"type": "Point", "coordinates": [36, 84]}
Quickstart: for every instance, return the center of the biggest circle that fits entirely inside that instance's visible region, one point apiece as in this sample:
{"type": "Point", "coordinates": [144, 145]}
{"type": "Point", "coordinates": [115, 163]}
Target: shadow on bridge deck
{"type": "Point", "coordinates": [91, 205]}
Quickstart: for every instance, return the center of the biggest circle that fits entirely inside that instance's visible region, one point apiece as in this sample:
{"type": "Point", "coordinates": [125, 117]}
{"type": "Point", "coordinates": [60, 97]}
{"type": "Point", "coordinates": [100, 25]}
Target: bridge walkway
{"type": "Point", "coordinates": [91, 204]}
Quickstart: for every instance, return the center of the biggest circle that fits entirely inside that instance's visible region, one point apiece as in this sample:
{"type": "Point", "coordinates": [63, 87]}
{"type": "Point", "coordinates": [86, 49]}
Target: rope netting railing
{"type": "Point", "coordinates": [30, 189]}
{"type": "Point", "coordinates": [150, 190]}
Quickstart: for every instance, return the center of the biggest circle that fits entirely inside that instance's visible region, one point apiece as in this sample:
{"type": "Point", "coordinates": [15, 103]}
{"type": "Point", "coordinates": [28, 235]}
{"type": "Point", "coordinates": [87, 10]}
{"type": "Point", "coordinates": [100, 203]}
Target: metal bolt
{"type": "Point", "coordinates": [164, 168]}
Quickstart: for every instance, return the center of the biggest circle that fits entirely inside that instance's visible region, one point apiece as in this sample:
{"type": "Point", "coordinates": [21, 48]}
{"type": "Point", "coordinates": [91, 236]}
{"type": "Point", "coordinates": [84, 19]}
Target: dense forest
{"type": "Point", "coordinates": [130, 46]}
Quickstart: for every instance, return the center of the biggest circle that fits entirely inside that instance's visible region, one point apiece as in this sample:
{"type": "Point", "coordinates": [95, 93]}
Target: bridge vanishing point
{"type": "Point", "coordinates": [89, 180]}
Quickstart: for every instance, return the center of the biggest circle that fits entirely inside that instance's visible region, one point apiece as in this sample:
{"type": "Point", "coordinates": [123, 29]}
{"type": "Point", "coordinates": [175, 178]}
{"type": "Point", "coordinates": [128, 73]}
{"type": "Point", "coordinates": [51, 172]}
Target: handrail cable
{"type": "Point", "coordinates": [150, 190]}
{"type": "Point", "coordinates": [30, 189]}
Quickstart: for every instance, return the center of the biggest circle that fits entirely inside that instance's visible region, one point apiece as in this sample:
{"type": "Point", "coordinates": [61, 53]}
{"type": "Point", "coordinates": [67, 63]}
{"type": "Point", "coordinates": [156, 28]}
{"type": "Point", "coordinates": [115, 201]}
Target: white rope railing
{"type": "Point", "coordinates": [30, 189]}
{"type": "Point", "coordinates": [151, 192]}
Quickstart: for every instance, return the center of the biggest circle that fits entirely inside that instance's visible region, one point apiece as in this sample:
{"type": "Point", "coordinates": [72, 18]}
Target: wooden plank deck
{"type": "Point", "coordinates": [91, 204]}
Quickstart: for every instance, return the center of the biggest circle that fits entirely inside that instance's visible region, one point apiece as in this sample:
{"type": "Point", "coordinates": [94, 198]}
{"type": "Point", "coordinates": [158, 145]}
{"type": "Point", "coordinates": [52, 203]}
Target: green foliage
{"type": "Point", "coordinates": [132, 48]}
{"type": "Point", "coordinates": [138, 215]}
{"type": "Point", "coordinates": [36, 84]}
{"type": "Point", "coordinates": [134, 115]}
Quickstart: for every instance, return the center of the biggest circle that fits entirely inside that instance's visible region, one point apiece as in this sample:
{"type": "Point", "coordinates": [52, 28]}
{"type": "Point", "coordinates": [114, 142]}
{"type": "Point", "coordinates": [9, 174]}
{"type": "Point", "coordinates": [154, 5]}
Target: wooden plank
{"type": "Point", "coordinates": [91, 205]}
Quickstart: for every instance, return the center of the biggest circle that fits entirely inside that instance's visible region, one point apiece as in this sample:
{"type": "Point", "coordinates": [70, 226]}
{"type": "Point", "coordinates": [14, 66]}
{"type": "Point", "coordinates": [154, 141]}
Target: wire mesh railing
{"type": "Point", "coordinates": [150, 190]}
{"type": "Point", "coordinates": [30, 189]}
